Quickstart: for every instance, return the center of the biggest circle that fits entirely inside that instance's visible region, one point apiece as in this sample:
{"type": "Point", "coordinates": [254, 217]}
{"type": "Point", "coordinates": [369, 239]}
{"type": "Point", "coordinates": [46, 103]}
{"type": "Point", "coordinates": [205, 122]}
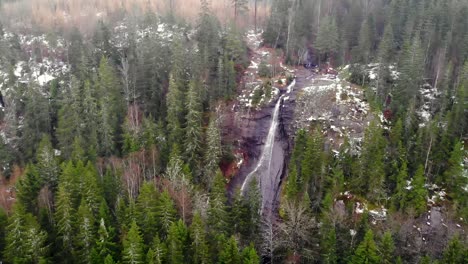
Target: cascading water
{"type": "Point", "coordinates": [269, 167]}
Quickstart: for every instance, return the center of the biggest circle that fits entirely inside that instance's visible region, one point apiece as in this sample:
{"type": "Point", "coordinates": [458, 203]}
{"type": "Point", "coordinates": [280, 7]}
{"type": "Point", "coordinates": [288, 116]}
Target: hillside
{"type": "Point", "coordinates": [233, 131]}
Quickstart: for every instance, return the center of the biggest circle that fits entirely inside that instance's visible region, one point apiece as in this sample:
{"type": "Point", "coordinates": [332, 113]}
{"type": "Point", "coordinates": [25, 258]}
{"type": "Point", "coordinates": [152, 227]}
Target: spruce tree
{"type": "Point", "coordinates": [146, 211]}
{"type": "Point", "coordinates": [28, 189]}
{"type": "Point", "coordinates": [25, 241]}
{"type": "Point", "coordinates": [213, 152]}
{"type": "Point", "coordinates": [174, 101]}
{"type": "Point", "coordinates": [85, 238]}
{"type": "Point", "coordinates": [387, 249]}
{"type": "Point", "coordinates": [366, 252]}
{"type": "Point", "coordinates": [157, 253]}
{"type": "Point", "coordinates": [401, 193]}
{"type": "Point", "coordinates": [230, 252]}
{"type": "Point", "coordinates": [249, 255]}
{"type": "Point", "coordinates": [454, 252]}
{"type": "Point", "coordinates": [133, 246]}
{"type": "Point", "coordinates": [177, 240]}
{"type": "Point", "coordinates": [418, 194]}
{"type": "Point", "coordinates": [47, 164]}
{"type": "Point", "coordinates": [193, 129]}
{"type": "Point", "coordinates": [65, 220]}
{"type": "Point", "coordinates": [199, 247]}
{"type": "Point", "coordinates": [165, 213]}
{"type": "Point", "coordinates": [218, 218]}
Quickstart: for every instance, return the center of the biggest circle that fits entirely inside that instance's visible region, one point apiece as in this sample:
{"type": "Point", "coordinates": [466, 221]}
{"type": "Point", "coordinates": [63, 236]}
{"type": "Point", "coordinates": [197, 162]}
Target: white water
{"type": "Point", "coordinates": [264, 165]}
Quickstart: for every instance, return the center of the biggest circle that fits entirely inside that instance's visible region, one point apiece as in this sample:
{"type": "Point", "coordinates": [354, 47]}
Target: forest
{"type": "Point", "coordinates": [234, 131]}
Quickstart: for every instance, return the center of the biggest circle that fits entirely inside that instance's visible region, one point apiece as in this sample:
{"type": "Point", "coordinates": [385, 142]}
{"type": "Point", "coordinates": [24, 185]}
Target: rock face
{"type": "Point", "coordinates": [264, 139]}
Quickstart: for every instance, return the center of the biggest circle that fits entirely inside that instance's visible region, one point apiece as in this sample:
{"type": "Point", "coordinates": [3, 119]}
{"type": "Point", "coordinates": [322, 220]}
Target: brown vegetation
{"type": "Point", "coordinates": [56, 14]}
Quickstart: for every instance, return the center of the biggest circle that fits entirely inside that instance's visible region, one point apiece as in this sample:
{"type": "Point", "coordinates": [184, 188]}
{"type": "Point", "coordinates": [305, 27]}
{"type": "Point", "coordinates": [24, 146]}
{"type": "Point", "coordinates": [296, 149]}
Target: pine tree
{"type": "Point", "coordinates": [453, 253]}
{"type": "Point", "coordinates": [193, 129]}
{"type": "Point", "coordinates": [146, 211]}
{"type": "Point", "coordinates": [213, 152]}
{"type": "Point", "coordinates": [36, 121]}
{"type": "Point", "coordinates": [326, 42]}
{"type": "Point", "coordinates": [28, 189]}
{"type": "Point", "coordinates": [328, 245]}
{"type": "Point", "coordinates": [165, 213]}
{"type": "Point", "coordinates": [240, 7]}
{"type": "Point", "coordinates": [230, 252]}
{"type": "Point", "coordinates": [3, 224]}
{"type": "Point", "coordinates": [418, 195]}
{"type": "Point", "coordinates": [400, 196]}
{"type": "Point", "coordinates": [372, 174]}
{"type": "Point", "coordinates": [157, 252]}
{"type": "Point", "coordinates": [217, 211]}
{"type": "Point", "coordinates": [249, 255]}
{"type": "Point", "coordinates": [69, 118]}
{"type": "Point", "coordinates": [105, 245]}
{"type": "Point", "coordinates": [133, 246]}
{"type": "Point", "coordinates": [365, 41]}
{"type": "Point", "coordinates": [174, 111]}
{"type": "Point", "coordinates": [454, 176]}
{"type": "Point", "coordinates": [110, 107]}
{"type": "Point", "coordinates": [25, 241]}
{"type": "Point", "coordinates": [91, 117]}
{"type": "Point", "coordinates": [366, 252]}
{"type": "Point", "coordinates": [412, 70]}
{"type": "Point", "coordinates": [200, 254]}
{"type": "Point", "coordinates": [85, 237]}
{"type": "Point", "coordinates": [177, 239]}
{"type": "Point", "coordinates": [313, 166]}
{"type": "Point", "coordinates": [65, 220]}
{"type": "Point", "coordinates": [47, 164]}
{"type": "Point", "coordinates": [387, 249]}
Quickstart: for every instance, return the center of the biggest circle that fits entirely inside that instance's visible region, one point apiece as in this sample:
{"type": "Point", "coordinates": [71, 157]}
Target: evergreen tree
{"type": "Point", "coordinates": [28, 189]}
{"type": "Point", "coordinates": [193, 129]}
{"type": "Point", "coordinates": [328, 245]}
{"type": "Point", "coordinates": [105, 245]}
{"type": "Point", "coordinates": [454, 176]}
{"type": "Point", "coordinates": [3, 224]}
{"type": "Point", "coordinates": [418, 195]}
{"type": "Point", "coordinates": [146, 211]}
{"type": "Point", "coordinates": [85, 237]}
{"type": "Point", "coordinates": [157, 252]}
{"type": "Point", "coordinates": [47, 164]}
{"type": "Point", "coordinates": [412, 71]}
{"type": "Point", "coordinates": [326, 42]}
{"type": "Point", "coordinates": [133, 246]}
{"type": "Point", "coordinates": [366, 252]}
{"type": "Point", "coordinates": [217, 211]}
{"type": "Point", "coordinates": [249, 255]}
{"type": "Point", "coordinates": [110, 107]}
{"type": "Point", "coordinates": [24, 240]}
{"type": "Point", "coordinates": [454, 253]}
{"type": "Point", "coordinates": [400, 195]}
{"type": "Point", "coordinates": [165, 213]}
{"type": "Point", "coordinates": [387, 249]}
{"type": "Point", "coordinates": [200, 254]}
{"type": "Point", "coordinates": [174, 111]}
{"type": "Point", "coordinates": [230, 252]}
{"type": "Point", "coordinates": [213, 152]}
{"type": "Point", "coordinates": [370, 181]}
{"type": "Point", "coordinates": [69, 118]}
{"type": "Point", "coordinates": [65, 218]}
{"type": "Point", "coordinates": [177, 239]}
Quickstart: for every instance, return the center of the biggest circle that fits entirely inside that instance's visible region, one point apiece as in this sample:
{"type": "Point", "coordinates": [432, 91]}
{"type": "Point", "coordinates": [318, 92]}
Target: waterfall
{"type": "Point", "coordinates": [269, 181]}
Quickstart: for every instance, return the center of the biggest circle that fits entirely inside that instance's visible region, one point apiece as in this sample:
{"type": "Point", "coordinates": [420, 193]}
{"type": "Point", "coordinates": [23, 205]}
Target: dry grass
{"type": "Point", "coordinates": [53, 14]}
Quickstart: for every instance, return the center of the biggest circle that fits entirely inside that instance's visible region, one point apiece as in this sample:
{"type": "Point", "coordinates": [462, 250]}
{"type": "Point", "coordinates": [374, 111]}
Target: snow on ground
{"type": "Point", "coordinates": [338, 106]}
{"type": "Point", "coordinates": [44, 61]}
